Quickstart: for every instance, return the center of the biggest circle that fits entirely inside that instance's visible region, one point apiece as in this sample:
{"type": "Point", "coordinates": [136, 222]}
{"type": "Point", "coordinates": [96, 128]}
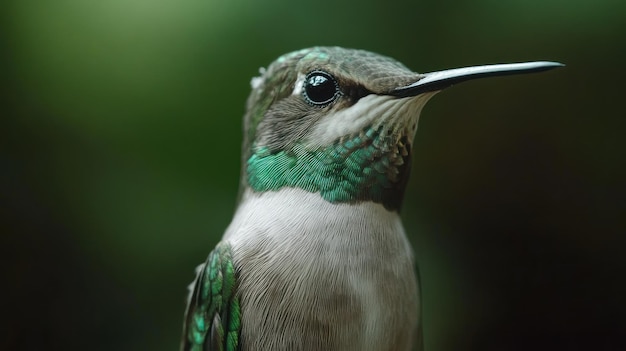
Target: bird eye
{"type": "Point", "coordinates": [320, 88]}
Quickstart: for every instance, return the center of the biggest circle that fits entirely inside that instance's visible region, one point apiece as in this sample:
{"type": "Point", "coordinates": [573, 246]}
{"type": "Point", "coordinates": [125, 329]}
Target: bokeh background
{"type": "Point", "coordinates": [119, 163]}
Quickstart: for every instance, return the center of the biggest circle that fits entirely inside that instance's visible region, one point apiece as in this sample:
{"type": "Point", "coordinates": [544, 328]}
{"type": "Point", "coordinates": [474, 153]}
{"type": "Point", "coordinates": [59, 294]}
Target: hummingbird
{"type": "Point", "coordinates": [316, 256]}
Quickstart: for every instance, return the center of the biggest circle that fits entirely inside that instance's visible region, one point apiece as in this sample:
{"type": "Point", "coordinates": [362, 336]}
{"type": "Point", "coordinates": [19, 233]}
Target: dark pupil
{"type": "Point", "coordinates": [320, 89]}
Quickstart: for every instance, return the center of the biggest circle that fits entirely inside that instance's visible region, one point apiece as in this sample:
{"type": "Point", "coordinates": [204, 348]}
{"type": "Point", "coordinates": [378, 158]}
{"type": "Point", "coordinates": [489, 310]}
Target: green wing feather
{"type": "Point", "coordinates": [213, 316]}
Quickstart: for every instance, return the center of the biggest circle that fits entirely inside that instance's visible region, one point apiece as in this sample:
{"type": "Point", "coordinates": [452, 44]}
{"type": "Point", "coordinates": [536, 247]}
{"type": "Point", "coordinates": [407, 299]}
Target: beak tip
{"type": "Point", "coordinates": [547, 65]}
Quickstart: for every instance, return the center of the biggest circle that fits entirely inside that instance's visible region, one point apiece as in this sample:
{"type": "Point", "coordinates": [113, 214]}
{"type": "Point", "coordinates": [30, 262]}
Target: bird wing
{"type": "Point", "coordinates": [213, 316]}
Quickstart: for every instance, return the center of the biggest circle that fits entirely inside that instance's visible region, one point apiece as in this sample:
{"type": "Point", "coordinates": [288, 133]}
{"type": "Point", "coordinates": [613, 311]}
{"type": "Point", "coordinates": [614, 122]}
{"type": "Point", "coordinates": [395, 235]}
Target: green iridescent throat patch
{"type": "Point", "coordinates": [369, 166]}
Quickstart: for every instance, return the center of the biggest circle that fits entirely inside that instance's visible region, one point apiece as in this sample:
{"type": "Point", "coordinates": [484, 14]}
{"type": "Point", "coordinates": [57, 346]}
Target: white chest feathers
{"type": "Point", "coordinates": [320, 276]}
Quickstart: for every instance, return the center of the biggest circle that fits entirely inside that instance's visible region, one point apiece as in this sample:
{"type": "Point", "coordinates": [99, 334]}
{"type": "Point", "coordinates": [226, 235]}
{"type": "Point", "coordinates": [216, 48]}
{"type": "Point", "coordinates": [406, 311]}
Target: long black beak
{"type": "Point", "coordinates": [440, 80]}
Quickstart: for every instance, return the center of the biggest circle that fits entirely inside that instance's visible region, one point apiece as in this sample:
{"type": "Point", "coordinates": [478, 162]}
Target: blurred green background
{"type": "Point", "coordinates": [119, 165]}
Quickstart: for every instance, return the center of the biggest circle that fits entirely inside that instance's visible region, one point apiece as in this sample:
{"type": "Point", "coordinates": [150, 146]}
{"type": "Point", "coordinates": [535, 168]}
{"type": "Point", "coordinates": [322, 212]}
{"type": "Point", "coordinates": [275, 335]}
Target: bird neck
{"type": "Point", "coordinates": [370, 166]}
{"type": "Point", "coordinates": [293, 217]}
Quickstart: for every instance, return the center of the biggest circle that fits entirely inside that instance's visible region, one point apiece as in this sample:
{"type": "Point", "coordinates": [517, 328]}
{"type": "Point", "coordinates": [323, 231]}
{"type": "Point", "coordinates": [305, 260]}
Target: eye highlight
{"type": "Point", "coordinates": [320, 88]}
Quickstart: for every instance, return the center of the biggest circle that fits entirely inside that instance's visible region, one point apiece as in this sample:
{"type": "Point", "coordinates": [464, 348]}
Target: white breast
{"type": "Point", "coordinates": [320, 276]}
